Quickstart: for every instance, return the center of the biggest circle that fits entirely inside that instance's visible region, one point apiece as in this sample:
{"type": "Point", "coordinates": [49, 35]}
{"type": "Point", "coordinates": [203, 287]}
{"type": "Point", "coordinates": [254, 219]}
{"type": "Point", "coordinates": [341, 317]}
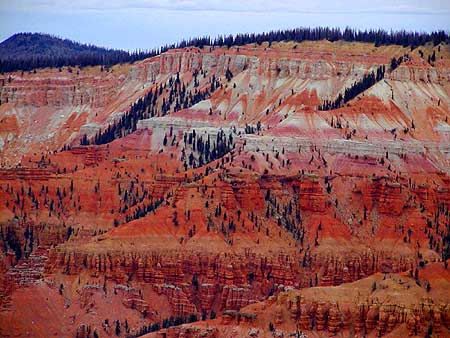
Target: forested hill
{"type": "Point", "coordinates": [26, 51]}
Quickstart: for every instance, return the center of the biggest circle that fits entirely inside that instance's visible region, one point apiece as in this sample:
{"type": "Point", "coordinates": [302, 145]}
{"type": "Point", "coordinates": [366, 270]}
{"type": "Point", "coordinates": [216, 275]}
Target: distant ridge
{"type": "Point", "coordinates": [27, 51]}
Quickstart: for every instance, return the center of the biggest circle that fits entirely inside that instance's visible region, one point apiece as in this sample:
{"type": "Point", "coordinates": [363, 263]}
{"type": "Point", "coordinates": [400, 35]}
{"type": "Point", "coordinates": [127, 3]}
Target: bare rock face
{"type": "Point", "coordinates": [53, 107]}
{"type": "Point", "coordinates": [233, 298]}
{"type": "Point", "coordinates": [59, 92]}
{"type": "Point", "coordinates": [311, 195]}
{"type": "Point", "coordinates": [28, 270]}
{"type": "Point", "coordinates": [195, 284]}
{"type": "Point", "coordinates": [388, 197]}
{"type": "Point", "coordinates": [279, 63]}
{"type": "Point", "coordinates": [231, 195]}
{"type": "Point", "coordinates": [179, 301]}
{"type": "Point", "coordinates": [173, 269]}
{"type": "Point", "coordinates": [310, 310]}
{"type": "Point", "coordinates": [382, 319]}
{"type": "Point", "coordinates": [424, 74]}
{"type": "Point", "coordinates": [132, 298]}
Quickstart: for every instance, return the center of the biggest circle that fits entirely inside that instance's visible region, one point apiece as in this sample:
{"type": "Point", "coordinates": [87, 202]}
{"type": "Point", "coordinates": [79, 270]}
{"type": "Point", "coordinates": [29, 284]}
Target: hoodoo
{"type": "Point", "coordinates": [263, 186]}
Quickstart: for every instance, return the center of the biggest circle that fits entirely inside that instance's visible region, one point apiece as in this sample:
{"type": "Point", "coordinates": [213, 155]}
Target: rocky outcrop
{"type": "Point", "coordinates": [179, 301]}
{"type": "Point", "coordinates": [387, 195]}
{"type": "Point", "coordinates": [296, 198]}
{"type": "Point", "coordinates": [273, 64]}
{"type": "Point", "coordinates": [421, 73]}
{"type": "Point", "coordinates": [340, 146]}
{"type": "Point", "coordinates": [60, 91]}
{"type": "Point", "coordinates": [234, 298]}
{"type": "Point", "coordinates": [133, 298]}
{"type": "Point", "coordinates": [230, 270]}
{"type": "Point", "coordinates": [26, 174]}
{"type": "Point", "coordinates": [368, 317]}
{"type": "Point", "coordinates": [28, 270]}
{"type": "Point", "coordinates": [32, 237]}
{"type": "Point", "coordinates": [311, 194]}
{"type": "Point", "coordinates": [83, 331]}
{"type": "Point", "coordinates": [90, 155]}
{"type": "Point", "coordinates": [237, 280]}
{"type": "Point", "coordinates": [15, 274]}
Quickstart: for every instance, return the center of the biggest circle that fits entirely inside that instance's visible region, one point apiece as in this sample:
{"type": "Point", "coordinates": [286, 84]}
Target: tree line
{"type": "Point", "coordinates": [28, 51]}
{"type": "Point", "coordinates": [205, 151]}
{"type": "Point", "coordinates": [169, 322]}
{"type": "Point", "coordinates": [362, 85]}
{"type": "Point", "coordinates": [43, 50]}
{"type": "Point", "coordinates": [154, 103]}
{"type": "Point", "coordinates": [357, 88]}
{"type": "Point", "coordinates": [377, 36]}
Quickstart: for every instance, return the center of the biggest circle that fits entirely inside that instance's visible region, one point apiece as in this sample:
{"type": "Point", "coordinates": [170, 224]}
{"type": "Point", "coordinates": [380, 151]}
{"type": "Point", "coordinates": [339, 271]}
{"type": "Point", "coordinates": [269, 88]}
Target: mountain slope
{"type": "Point", "coordinates": [26, 51]}
{"type": "Point", "coordinates": [225, 186]}
{"type": "Point", "coordinates": [35, 44]}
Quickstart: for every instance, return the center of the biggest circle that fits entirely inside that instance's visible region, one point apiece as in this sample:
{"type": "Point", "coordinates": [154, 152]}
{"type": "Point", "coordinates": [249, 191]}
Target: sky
{"type": "Point", "coordinates": [145, 24]}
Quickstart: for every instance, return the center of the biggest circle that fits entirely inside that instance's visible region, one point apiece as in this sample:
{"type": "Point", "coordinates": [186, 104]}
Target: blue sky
{"type": "Point", "coordinates": [150, 23]}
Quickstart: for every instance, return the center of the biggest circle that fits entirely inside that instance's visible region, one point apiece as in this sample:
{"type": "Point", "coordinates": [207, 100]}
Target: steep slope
{"type": "Point", "coordinates": [226, 185]}
{"type": "Point", "coordinates": [390, 305]}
